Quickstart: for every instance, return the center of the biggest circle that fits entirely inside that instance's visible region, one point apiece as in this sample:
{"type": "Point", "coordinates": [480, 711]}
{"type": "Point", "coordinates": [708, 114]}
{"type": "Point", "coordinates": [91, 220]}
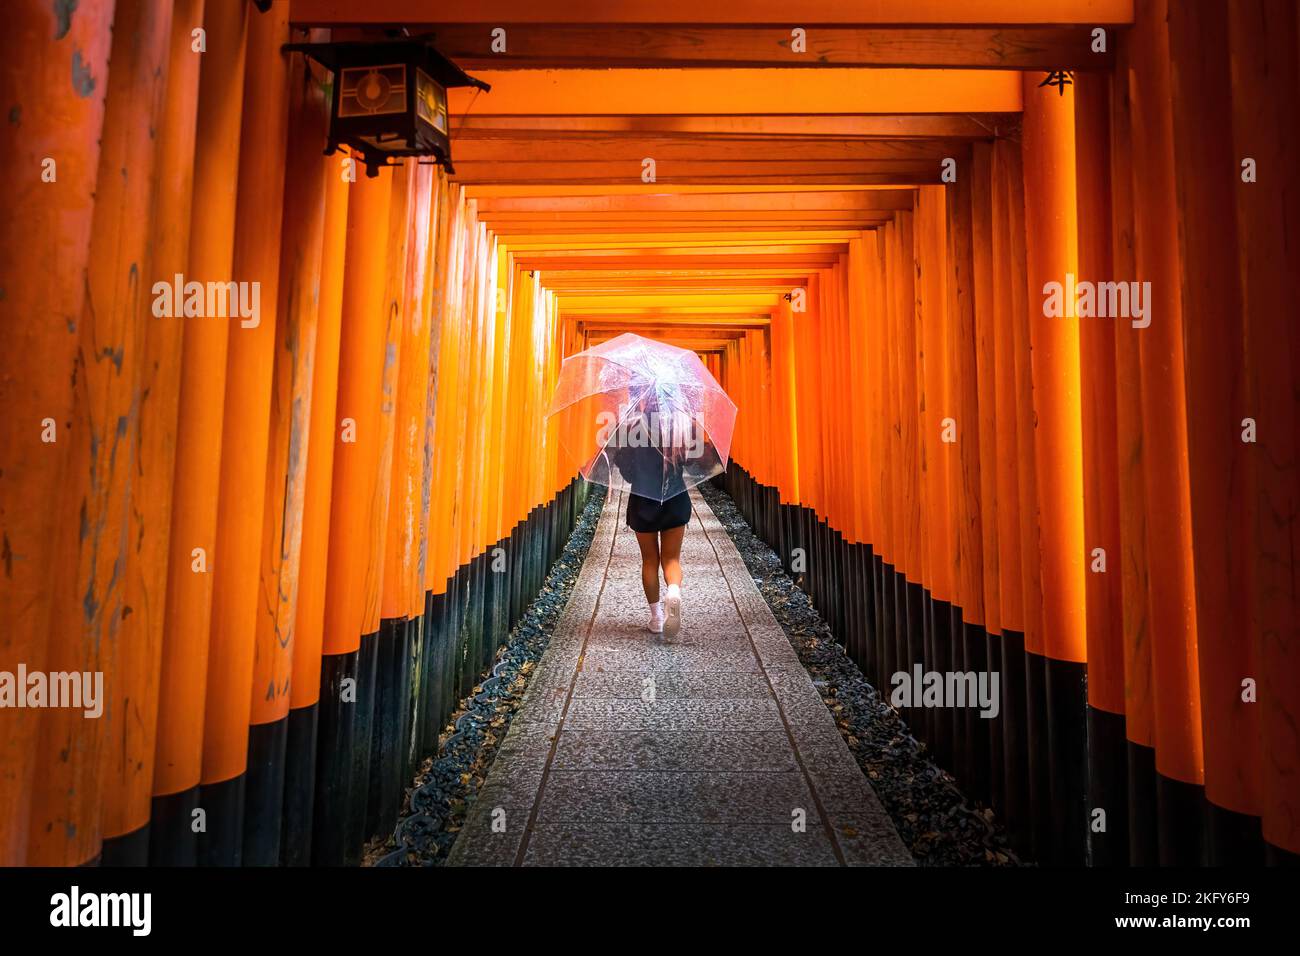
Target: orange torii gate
{"type": "Point", "coordinates": [292, 546]}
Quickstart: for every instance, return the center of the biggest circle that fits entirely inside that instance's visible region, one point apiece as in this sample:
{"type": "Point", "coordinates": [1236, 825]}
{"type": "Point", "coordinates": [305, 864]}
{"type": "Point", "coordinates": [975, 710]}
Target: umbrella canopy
{"type": "Point", "coordinates": [643, 416]}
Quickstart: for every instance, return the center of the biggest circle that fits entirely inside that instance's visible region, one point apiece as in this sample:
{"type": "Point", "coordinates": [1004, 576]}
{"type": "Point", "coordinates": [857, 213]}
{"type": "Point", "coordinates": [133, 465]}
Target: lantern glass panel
{"type": "Point", "coordinates": [430, 101]}
{"type": "Point", "coordinates": [372, 90]}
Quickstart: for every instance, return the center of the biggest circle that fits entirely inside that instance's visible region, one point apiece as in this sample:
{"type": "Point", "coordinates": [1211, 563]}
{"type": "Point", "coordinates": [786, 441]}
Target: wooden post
{"type": "Point", "coordinates": [377, 651]}
{"type": "Point", "coordinates": [1028, 770]}
{"type": "Point", "coordinates": [985, 333]}
{"type": "Point", "coordinates": [1264, 98]}
{"type": "Point", "coordinates": [1139, 692]}
{"type": "Point", "coordinates": [306, 715]}
{"type": "Point", "coordinates": [1178, 760]}
{"type": "Point", "coordinates": [245, 433]}
{"type": "Point", "coordinates": [58, 116]}
{"type": "Point", "coordinates": [1221, 465]}
{"type": "Point", "coordinates": [1107, 757]}
{"type": "Point", "coordinates": [289, 449]}
{"type": "Point", "coordinates": [192, 555]}
{"type": "Point", "coordinates": [90, 603]}
{"type": "Point", "coordinates": [130, 770]}
{"type": "Point", "coordinates": [1051, 226]}
{"type": "Point", "coordinates": [353, 569]}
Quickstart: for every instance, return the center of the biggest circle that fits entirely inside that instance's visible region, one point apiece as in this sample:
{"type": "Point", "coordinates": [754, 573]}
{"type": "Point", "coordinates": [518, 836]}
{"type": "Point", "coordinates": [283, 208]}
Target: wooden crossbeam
{"type": "Point", "coordinates": [701, 203]}
{"type": "Point", "coordinates": [651, 189]}
{"type": "Point", "coordinates": [595, 147]}
{"type": "Point", "coordinates": [650, 320]}
{"type": "Point", "coordinates": [677, 172]}
{"type": "Point", "coordinates": [510, 228]}
{"type": "Point", "coordinates": [666, 285]}
{"type": "Point", "coordinates": [534, 46]}
{"type": "Point", "coordinates": [716, 243]}
{"type": "Point", "coordinates": [652, 274]}
{"type": "Point", "coordinates": [868, 126]}
{"type": "Point", "coordinates": [770, 12]}
{"type": "Point", "coordinates": [560, 260]}
{"type": "Point", "coordinates": [513, 231]}
{"type": "Point", "coordinates": [632, 92]}
{"type": "Point", "coordinates": [711, 336]}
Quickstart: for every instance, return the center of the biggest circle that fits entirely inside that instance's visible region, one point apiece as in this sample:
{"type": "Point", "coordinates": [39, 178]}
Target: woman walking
{"type": "Point", "coordinates": [660, 527]}
{"type": "Point", "coordinates": [648, 417]}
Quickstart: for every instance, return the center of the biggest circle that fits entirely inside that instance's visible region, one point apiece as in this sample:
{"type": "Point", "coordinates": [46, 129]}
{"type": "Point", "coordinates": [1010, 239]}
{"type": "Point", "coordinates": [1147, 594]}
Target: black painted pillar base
{"type": "Point", "coordinates": [1181, 820]}
{"type": "Point", "coordinates": [426, 731]}
{"type": "Point", "coordinates": [915, 627]}
{"type": "Point", "coordinates": [977, 772]}
{"type": "Point", "coordinates": [1144, 843]}
{"type": "Point", "coordinates": [879, 666]}
{"type": "Point", "coordinates": [1067, 751]}
{"type": "Point", "coordinates": [129, 849]}
{"type": "Point", "coordinates": [997, 778]}
{"type": "Point", "coordinates": [941, 661]}
{"type": "Point", "coordinates": [172, 840]}
{"type": "Point", "coordinates": [264, 793]}
{"type": "Point", "coordinates": [299, 787]}
{"type": "Point", "coordinates": [1276, 856]}
{"type": "Point", "coordinates": [222, 843]}
{"type": "Point", "coordinates": [1038, 735]}
{"type": "Point", "coordinates": [1107, 789]}
{"type": "Point", "coordinates": [1017, 809]}
{"type": "Point", "coordinates": [1233, 839]}
{"type": "Point", "coordinates": [413, 712]}
{"type": "Point", "coordinates": [335, 752]}
{"type": "Point", "coordinates": [392, 679]}
{"type": "Point", "coordinates": [363, 727]}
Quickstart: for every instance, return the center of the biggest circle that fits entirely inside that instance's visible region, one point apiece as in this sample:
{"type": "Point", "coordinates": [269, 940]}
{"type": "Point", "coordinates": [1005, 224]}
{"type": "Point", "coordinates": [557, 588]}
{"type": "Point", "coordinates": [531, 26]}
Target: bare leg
{"type": "Point", "coordinates": [670, 554]}
{"type": "Point", "coordinates": [648, 542]}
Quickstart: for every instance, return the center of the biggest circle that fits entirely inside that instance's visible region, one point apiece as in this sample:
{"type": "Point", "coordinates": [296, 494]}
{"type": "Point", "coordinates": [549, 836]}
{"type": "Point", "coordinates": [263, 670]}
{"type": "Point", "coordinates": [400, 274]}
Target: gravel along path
{"type": "Point", "coordinates": [934, 819]}
{"type": "Point", "coordinates": [434, 808]}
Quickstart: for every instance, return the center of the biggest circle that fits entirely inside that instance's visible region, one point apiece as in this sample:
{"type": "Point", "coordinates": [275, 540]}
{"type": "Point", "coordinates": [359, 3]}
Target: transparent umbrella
{"type": "Point", "coordinates": [643, 416]}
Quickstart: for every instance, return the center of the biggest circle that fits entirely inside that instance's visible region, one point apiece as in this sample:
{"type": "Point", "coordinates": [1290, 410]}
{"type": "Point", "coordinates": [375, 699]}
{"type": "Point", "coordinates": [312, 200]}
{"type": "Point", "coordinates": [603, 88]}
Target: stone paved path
{"type": "Point", "coordinates": [706, 750]}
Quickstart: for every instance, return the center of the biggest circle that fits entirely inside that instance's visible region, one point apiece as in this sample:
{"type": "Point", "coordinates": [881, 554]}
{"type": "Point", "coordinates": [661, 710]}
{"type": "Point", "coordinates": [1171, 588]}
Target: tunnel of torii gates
{"type": "Point", "coordinates": [272, 530]}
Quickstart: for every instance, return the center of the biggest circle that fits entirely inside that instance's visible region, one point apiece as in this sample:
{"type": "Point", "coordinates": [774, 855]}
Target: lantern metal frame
{"type": "Point", "coordinates": [411, 67]}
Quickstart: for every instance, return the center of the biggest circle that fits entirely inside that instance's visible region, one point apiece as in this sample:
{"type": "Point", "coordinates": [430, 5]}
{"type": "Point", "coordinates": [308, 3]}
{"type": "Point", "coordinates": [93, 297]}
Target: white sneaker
{"type": "Point", "coordinates": [656, 625]}
{"type": "Point", "coordinates": [672, 610]}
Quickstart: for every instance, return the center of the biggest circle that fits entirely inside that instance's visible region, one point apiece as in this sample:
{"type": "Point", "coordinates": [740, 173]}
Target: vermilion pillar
{"type": "Point", "coordinates": [1264, 96]}
{"type": "Point", "coordinates": [56, 116]}
{"type": "Point", "coordinates": [1172, 597]}
{"type": "Point", "coordinates": [353, 573]}
{"type": "Point", "coordinates": [1221, 467]}
{"type": "Point", "coordinates": [441, 562]}
{"type": "Point", "coordinates": [245, 427]}
{"type": "Point", "coordinates": [274, 773]}
{"type": "Point", "coordinates": [89, 605]}
{"type": "Point", "coordinates": [1107, 752]}
{"type": "Point", "coordinates": [400, 631]}
{"type": "Point", "coordinates": [1132, 565]}
{"type": "Point", "coordinates": [1051, 229]}
{"type": "Point", "coordinates": [129, 769]}
{"type": "Point", "coordinates": [309, 625]}
{"type": "Point", "coordinates": [192, 553]}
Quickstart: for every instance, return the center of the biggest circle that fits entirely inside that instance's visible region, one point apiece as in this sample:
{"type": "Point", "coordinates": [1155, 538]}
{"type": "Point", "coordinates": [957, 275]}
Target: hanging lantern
{"type": "Point", "coordinates": [390, 98]}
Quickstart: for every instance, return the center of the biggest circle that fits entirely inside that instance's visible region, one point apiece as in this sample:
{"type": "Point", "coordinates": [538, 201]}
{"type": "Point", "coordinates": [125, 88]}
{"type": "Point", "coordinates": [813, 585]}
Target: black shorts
{"type": "Point", "coordinates": [646, 514]}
